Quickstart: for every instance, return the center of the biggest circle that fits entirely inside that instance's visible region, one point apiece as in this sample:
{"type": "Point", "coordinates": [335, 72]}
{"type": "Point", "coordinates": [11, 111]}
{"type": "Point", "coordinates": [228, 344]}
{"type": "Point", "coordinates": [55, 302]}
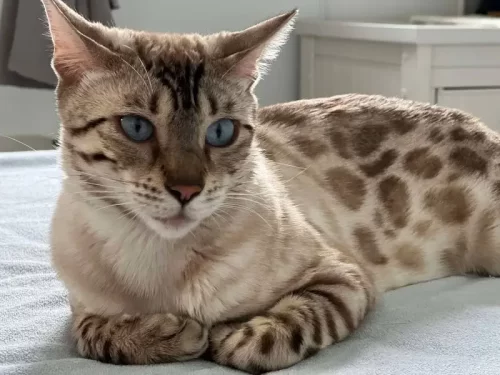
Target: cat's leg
{"type": "Point", "coordinates": [326, 310]}
{"type": "Point", "coordinates": [141, 339]}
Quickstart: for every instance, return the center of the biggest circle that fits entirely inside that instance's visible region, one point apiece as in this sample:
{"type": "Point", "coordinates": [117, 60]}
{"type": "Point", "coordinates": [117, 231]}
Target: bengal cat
{"type": "Point", "coordinates": [189, 219]}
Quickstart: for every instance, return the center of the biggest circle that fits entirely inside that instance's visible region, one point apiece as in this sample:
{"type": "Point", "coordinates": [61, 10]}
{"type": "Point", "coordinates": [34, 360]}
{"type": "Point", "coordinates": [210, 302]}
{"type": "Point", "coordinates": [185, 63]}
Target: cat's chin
{"type": "Point", "coordinates": [171, 228]}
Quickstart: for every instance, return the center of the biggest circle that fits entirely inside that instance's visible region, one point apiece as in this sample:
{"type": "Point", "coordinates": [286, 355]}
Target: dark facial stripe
{"type": "Point", "coordinates": [185, 87]}
{"type": "Point", "coordinates": [153, 103]}
{"type": "Point", "coordinates": [168, 84]}
{"type": "Point", "coordinates": [213, 105]}
{"type": "Point", "coordinates": [96, 157]}
{"type": "Point", "coordinates": [198, 74]}
{"type": "Point", "coordinates": [250, 128]}
{"type": "Point", "coordinates": [229, 106]}
{"type": "Point", "coordinates": [90, 125]}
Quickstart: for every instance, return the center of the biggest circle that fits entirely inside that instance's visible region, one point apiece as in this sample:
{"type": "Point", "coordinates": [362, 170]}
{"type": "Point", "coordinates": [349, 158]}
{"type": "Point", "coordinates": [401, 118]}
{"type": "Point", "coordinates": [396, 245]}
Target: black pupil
{"type": "Point", "coordinates": [138, 126]}
{"type": "Point", "coordinates": [219, 131]}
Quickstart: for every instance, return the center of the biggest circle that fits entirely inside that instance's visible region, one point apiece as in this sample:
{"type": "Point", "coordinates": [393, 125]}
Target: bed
{"type": "Point", "coordinates": [449, 326]}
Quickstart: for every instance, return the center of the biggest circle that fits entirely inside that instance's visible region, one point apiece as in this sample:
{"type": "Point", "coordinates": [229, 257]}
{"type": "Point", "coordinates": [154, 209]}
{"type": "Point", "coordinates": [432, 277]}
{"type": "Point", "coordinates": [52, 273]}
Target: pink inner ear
{"type": "Point", "coordinates": [248, 66]}
{"type": "Point", "coordinates": [71, 55]}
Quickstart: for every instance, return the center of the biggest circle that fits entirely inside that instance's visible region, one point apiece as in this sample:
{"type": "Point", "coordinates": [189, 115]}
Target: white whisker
{"type": "Point", "coordinates": [248, 209]}
{"type": "Point", "coordinates": [21, 143]}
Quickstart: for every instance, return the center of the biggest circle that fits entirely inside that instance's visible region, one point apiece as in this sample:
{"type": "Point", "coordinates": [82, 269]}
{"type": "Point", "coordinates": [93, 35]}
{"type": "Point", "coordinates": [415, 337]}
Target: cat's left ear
{"type": "Point", "coordinates": [247, 53]}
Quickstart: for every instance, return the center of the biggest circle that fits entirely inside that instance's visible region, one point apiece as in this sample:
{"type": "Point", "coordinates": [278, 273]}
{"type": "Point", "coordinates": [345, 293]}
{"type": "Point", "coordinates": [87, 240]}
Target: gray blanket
{"type": "Point", "coordinates": [25, 48]}
{"type": "Point", "coordinates": [444, 327]}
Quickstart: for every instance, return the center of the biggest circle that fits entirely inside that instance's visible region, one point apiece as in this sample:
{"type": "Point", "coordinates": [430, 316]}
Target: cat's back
{"type": "Point", "coordinates": [382, 173]}
{"type": "Point", "coordinates": [374, 135]}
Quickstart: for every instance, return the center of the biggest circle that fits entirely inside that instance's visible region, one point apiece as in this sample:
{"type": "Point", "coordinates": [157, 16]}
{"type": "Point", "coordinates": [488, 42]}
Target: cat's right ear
{"type": "Point", "coordinates": [76, 51]}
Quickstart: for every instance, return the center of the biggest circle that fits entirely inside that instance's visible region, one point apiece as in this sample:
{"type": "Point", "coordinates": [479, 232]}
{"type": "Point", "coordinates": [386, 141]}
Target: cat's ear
{"type": "Point", "coordinates": [76, 47]}
{"type": "Point", "coordinates": [247, 53]}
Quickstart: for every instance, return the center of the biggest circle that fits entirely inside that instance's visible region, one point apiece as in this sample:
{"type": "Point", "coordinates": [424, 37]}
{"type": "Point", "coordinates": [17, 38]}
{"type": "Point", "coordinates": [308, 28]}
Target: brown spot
{"type": "Point", "coordinates": [453, 177]}
{"type": "Point", "coordinates": [368, 139]}
{"type": "Point", "coordinates": [310, 147]}
{"type": "Point", "coordinates": [403, 125]}
{"type": "Point", "coordinates": [458, 134]}
{"type": "Point", "coordinates": [267, 342]}
{"type": "Point", "coordinates": [339, 142]}
{"type": "Point", "coordinates": [478, 136]}
{"type": "Point", "coordinates": [496, 188]}
{"type": "Point", "coordinates": [347, 187]}
{"type": "Point", "coordinates": [380, 165]}
{"type": "Point", "coordinates": [454, 257]}
{"type": "Point", "coordinates": [450, 204]}
{"type": "Point", "coordinates": [379, 220]}
{"type": "Point", "coordinates": [368, 245]}
{"type": "Point", "coordinates": [468, 160]}
{"type": "Point", "coordinates": [393, 193]}
{"type": "Point", "coordinates": [435, 136]}
{"type": "Point", "coordinates": [421, 163]}
{"type": "Point", "coordinates": [410, 256]}
{"type": "Point", "coordinates": [422, 227]}
{"type": "Point", "coordinates": [389, 233]}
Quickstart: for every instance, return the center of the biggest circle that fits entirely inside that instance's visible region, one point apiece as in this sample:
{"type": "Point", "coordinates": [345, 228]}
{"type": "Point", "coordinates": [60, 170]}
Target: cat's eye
{"type": "Point", "coordinates": [220, 133]}
{"type": "Point", "coordinates": [137, 128]}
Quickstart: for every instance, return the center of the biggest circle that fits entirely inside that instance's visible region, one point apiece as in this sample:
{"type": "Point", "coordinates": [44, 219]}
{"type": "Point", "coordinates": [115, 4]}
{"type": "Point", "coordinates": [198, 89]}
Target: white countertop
{"type": "Point", "coordinates": [400, 33]}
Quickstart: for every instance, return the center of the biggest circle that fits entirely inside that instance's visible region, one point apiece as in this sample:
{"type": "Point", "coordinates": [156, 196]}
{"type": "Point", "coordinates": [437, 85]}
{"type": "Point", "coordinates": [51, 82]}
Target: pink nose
{"type": "Point", "coordinates": [184, 193]}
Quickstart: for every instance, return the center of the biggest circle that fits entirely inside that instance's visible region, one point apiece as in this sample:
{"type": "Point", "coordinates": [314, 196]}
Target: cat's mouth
{"type": "Point", "coordinates": [176, 221]}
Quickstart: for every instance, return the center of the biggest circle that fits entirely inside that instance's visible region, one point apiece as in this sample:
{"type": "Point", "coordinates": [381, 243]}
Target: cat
{"type": "Point", "coordinates": [193, 224]}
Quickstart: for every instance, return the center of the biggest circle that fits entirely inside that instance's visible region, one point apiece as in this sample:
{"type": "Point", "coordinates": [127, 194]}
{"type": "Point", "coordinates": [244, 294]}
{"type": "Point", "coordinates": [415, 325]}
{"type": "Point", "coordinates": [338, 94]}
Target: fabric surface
{"type": "Point", "coordinates": [25, 48]}
{"type": "Point", "coordinates": [445, 327]}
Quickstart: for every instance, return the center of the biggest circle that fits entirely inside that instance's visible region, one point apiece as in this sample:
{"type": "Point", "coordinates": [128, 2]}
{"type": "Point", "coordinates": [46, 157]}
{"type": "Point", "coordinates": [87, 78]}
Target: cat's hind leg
{"type": "Point", "coordinates": [138, 340]}
{"type": "Point", "coordinates": [324, 311]}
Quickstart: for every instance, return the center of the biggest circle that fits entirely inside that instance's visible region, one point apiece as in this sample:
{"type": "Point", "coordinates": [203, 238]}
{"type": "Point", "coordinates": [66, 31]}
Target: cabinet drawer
{"type": "Point", "coordinates": [483, 103]}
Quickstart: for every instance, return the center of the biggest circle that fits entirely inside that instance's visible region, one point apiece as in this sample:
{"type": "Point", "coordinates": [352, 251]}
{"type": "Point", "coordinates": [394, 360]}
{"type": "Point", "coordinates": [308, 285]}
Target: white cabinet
{"type": "Point", "coordinates": [454, 66]}
{"type": "Point", "coordinates": [484, 103]}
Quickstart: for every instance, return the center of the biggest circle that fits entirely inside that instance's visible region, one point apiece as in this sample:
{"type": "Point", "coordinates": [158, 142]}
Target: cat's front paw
{"type": "Point", "coordinates": [142, 339]}
{"type": "Point", "coordinates": [259, 345]}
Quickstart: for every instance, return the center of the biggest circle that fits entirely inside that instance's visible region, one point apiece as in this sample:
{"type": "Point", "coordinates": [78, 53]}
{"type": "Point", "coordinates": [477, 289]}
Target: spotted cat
{"type": "Point", "coordinates": [191, 223]}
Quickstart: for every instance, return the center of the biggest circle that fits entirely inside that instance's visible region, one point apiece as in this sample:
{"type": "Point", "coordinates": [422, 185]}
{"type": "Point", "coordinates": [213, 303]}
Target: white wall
{"type": "Point", "coordinates": [29, 111]}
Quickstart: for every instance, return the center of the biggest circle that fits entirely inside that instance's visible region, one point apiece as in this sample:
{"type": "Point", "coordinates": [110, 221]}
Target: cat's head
{"type": "Point", "coordinates": [158, 126]}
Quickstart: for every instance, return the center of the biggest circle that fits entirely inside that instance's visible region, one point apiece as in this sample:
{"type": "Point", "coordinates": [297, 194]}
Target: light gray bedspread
{"type": "Point", "coordinates": [443, 327]}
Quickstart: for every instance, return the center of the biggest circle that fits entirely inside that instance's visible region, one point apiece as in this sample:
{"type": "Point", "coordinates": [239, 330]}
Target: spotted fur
{"type": "Point", "coordinates": [314, 208]}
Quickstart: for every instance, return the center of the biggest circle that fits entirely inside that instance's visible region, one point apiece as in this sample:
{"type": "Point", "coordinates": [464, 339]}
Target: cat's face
{"type": "Point", "coordinates": [158, 127]}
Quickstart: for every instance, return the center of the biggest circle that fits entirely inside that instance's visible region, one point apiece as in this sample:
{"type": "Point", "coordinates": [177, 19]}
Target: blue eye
{"type": "Point", "coordinates": [220, 133]}
{"type": "Point", "coordinates": [137, 128]}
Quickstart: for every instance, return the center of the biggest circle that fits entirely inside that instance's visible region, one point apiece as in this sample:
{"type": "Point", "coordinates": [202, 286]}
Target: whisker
{"type": "Point", "coordinates": [135, 70]}
{"type": "Point", "coordinates": [115, 205]}
{"type": "Point", "coordinates": [250, 200]}
{"type": "Point", "coordinates": [250, 210]}
{"type": "Point", "coordinates": [289, 165]}
{"type": "Point", "coordinates": [17, 141]}
{"type": "Point", "coordinates": [297, 175]}
{"type": "Point", "coordinates": [143, 66]}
